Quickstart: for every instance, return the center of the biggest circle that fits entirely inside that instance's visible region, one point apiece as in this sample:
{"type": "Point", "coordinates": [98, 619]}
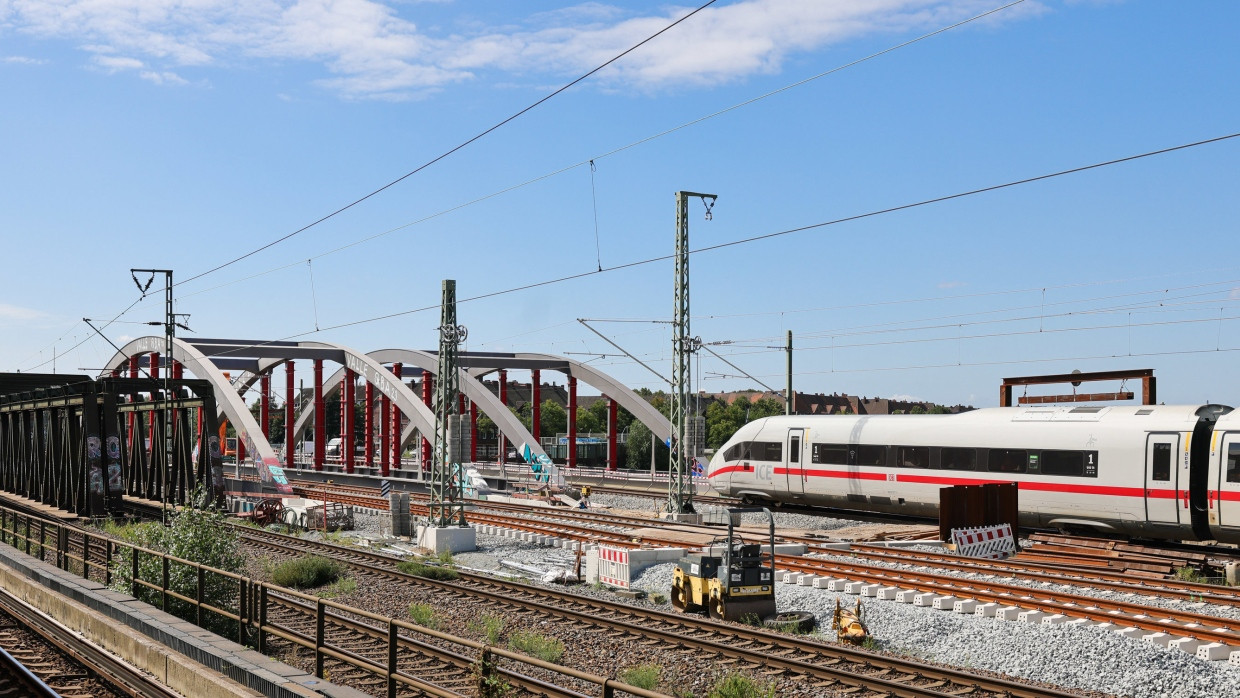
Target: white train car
{"type": "Point", "coordinates": [1134, 470]}
{"type": "Point", "coordinates": [1223, 480]}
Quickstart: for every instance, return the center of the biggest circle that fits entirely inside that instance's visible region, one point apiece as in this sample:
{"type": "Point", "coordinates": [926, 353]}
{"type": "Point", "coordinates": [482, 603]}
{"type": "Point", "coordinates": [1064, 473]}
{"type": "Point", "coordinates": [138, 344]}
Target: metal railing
{"type": "Point", "coordinates": [72, 549]}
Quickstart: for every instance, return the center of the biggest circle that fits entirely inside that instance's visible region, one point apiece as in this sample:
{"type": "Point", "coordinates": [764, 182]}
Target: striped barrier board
{"type": "Point", "coordinates": [613, 566]}
{"type": "Point", "coordinates": [989, 542]}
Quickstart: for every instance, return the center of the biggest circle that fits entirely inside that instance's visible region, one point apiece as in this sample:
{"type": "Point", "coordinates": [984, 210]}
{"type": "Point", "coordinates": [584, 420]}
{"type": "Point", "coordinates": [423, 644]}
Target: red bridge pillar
{"type": "Point", "coordinates": [320, 417]}
{"type": "Point", "coordinates": [290, 403]}
{"type": "Point", "coordinates": [428, 392]}
{"type": "Point", "coordinates": [398, 371]}
{"type": "Point", "coordinates": [370, 426]}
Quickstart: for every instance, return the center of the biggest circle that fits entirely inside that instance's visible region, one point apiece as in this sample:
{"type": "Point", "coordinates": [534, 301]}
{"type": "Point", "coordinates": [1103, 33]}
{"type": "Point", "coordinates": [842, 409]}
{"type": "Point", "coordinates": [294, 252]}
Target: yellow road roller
{"type": "Point", "coordinates": [733, 586]}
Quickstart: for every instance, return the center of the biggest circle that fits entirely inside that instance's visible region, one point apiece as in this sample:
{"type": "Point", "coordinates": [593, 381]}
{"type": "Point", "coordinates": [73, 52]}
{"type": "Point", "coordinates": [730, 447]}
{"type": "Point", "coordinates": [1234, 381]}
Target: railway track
{"type": "Point", "coordinates": [48, 659]}
{"type": "Point", "coordinates": [830, 668]}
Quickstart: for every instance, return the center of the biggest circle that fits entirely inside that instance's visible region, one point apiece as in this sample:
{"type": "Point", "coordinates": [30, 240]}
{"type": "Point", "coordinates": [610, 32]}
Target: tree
{"type": "Point", "coordinates": [553, 420]}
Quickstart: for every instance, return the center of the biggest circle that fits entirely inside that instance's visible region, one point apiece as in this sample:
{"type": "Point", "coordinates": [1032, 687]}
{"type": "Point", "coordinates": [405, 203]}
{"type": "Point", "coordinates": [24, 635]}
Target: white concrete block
{"type": "Point", "coordinates": [965, 606]}
{"type": "Point", "coordinates": [1214, 651]}
{"type": "Point", "coordinates": [1009, 613]}
{"type": "Point", "coordinates": [822, 583]}
{"type": "Point", "coordinates": [986, 610]}
{"type": "Point", "coordinates": [1031, 616]}
{"type": "Point", "coordinates": [906, 596]}
{"type": "Point", "coordinates": [1234, 658]}
{"type": "Point", "coordinates": [1160, 639]}
{"type": "Point", "coordinates": [1054, 619]}
{"type": "Point", "coordinates": [790, 577]}
{"type": "Point", "coordinates": [1079, 622]}
{"type": "Point", "coordinates": [871, 590]}
{"type": "Point", "coordinates": [888, 593]}
{"type": "Point", "coordinates": [1189, 645]}
{"type": "Point", "coordinates": [807, 580]}
{"type": "Point", "coordinates": [1129, 632]}
{"type": "Point", "coordinates": [925, 599]}
{"type": "Point", "coordinates": [838, 584]}
{"type": "Point", "coordinates": [853, 587]}
{"type": "Point", "coordinates": [944, 603]}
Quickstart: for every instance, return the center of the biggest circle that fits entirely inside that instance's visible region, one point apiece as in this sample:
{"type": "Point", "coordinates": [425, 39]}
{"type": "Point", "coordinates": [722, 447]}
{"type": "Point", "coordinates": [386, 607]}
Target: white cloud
{"type": "Point", "coordinates": [18, 313]}
{"type": "Point", "coordinates": [905, 398]}
{"type": "Point", "coordinates": [22, 60]}
{"type": "Point", "coordinates": [369, 49]}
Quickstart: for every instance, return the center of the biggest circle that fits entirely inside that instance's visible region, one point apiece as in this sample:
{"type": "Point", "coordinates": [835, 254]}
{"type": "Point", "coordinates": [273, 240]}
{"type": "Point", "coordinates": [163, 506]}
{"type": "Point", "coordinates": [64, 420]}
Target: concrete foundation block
{"type": "Point", "coordinates": [1160, 639]}
{"type": "Point", "coordinates": [1214, 651]}
{"type": "Point", "coordinates": [791, 577]}
{"type": "Point", "coordinates": [925, 599]}
{"type": "Point", "coordinates": [1054, 619]}
{"type": "Point", "coordinates": [906, 596]}
{"type": "Point", "coordinates": [1129, 632]}
{"type": "Point", "coordinates": [871, 590]}
{"type": "Point", "coordinates": [807, 580]}
{"type": "Point", "coordinates": [1234, 658]}
{"type": "Point", "coordinates": [888, 593]}
{"type": "Point", "coordinates": [1187, 645]}
{"type": "Point", "coordinates": [1079, 622]}
{"type": "Point", "coordinates": [822, 583]}
{"type": "Point", "coordinates": [1009, 613]}
{"type": "Point", "coordinates": [853, 587]}
{"type": "Point", "coordinates": [1031, 616]}
{"type": "Point", "coordinates": [986, 610]}
{"type": "Point", "coordinates": [965, 606]}
{"type": "Point", "coordinates": [944, 603]}
{"type": "Point", "coordinates": [1232, 573]}
{"type": "Point", "coordinates": [838, 584]}
{"type": "Point", "coordinates": [458, 539]}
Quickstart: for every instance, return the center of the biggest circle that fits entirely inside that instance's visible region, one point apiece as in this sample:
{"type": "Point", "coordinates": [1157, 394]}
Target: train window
{"type": "Point", "coordinates": [958, 459]}
{"type": "Point", "coordinates": [1007, 460]}
{"type": "Point", "coordinates": [1063, 463]}
{"type": "Point", "coordinates": [913, 457]}
{"type": "Point", "coordinates": [768, 450]}
{"type": "Point", "coordinates": [1160, 470]}
{"type": "Point", "coordinates": [1086, 410]}
{"type": "Point", "coordinates": [794, 449]}
{"type": "Point", "coordinates": [830, 454]}
{"type": "Point", "coordinates": [870, 455]}
{"type": "Point", "coordinates": [1233, 462]}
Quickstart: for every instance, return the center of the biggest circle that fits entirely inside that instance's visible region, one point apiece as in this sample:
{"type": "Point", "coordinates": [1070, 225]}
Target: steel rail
{"type": "Point", "coordinates": [819, 663]}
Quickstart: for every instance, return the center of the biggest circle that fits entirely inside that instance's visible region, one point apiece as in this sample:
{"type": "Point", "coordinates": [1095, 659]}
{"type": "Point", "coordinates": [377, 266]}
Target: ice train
{"type": "Point", "coordinates": [1153, 471]}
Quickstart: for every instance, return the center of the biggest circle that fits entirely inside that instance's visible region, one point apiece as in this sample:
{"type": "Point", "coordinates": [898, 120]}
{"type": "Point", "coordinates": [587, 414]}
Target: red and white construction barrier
{"type": "Point", "coordinates": [990, 542]}
{"type": "Point", "coordinates": [613, 566]}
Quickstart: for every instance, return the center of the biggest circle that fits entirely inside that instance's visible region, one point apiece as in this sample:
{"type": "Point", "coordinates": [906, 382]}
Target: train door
{"type": "Point", "coordinates": [795, 447]}
{"type": "Point", "coordinates": [1227, 499]}
{"type": "Point", "coordinates": [1162, 503]}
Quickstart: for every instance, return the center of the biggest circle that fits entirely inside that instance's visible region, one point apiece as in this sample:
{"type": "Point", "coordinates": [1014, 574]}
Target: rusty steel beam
{"type": "Point", "coordinates": [1083, 397]}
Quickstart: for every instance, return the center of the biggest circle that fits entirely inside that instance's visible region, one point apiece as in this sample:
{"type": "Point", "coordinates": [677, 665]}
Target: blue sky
{"type": "Point", "coordinates": [144, 133]}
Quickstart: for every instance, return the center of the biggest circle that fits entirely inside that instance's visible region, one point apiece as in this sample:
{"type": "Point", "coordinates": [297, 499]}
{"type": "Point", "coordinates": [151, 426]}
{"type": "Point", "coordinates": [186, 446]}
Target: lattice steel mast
{"type": "Point", "coordinates": [679, 483]}
{"type": "Point", "coordinates": [447, 507]}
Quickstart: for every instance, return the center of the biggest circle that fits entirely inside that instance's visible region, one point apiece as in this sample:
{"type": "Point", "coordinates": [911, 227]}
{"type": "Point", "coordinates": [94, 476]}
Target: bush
{"type": "Point", "coordinates": [421, 569]}
{"type": "Point", "coordinates": [545, 648]}
{"type": "Point", "coordinates": [643, 676]}
{"type": "Point", "coordinates": [306, 572]}
{"type": "Point", "coordinates": [199, 535]}
{"type": "Point", "coordinates": [491, 625]}
{"type": "Point", "coordinates": [740, 686]}
{"type": "Point", "coordinates": [424, 615]}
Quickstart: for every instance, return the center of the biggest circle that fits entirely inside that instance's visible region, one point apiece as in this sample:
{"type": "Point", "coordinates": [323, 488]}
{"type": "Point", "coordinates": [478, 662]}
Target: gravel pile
{"type": "Point", "coordinates": [1081, 658]}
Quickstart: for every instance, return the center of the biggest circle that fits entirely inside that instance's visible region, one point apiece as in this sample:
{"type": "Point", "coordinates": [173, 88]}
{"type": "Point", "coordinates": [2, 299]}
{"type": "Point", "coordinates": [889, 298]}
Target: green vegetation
{"type": "Point", "coordinates": [306, 572]}
{"type": "Point", "coordinates": [421, 569]}
{"type": "Point", "coordinates": [1189, 574]}
{"type": "Point", "coordinates": [341, 587]}
{"type": "Point", "coordinates": [491, 625]}
{"type": "Point", "coordinates": [445, 558]}
{"type": "Point", "coordinates": [741, 686]}
{"type": "Point", "coordinates": [424, 615]}
{"type": "Point", "coordinates": [490, 684]}
{"type": "Point", "coordinates": [201, 535]}
{"type": "Point", "coordinates": [642, 675]}
{"type": "Point", "coordinates": [548, 649]}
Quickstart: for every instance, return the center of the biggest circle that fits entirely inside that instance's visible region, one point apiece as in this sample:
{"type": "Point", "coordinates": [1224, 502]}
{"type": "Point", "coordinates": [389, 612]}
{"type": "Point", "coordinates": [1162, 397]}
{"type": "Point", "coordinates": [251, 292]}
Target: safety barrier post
{"type": "Point", "coordinates": [133, 581]}
{"type": "Point", "coordinates": [391, 664]}
{"type": "Point", "coordinates": [262, 618]}
{"type": "Point", "coordinates": [27, 535]}
{"type": "Point", "coordinates": [202, 574]}
{"type": "Point", "coordinates": [85, 555]}
{"type": "Point", "coordinates": [320, 616]}
{"type": "Point", "coordinates": [164, 587]}
{"type": "Point", "coordinates": [107, 563]}
{"type": "Point", "coordinates": [608, 691]}
{"type": "Point", "coordinates": [242, 610]}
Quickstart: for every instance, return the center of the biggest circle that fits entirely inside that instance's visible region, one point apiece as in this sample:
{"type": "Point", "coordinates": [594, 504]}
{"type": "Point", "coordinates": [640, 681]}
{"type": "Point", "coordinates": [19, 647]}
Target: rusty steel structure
{"type": "Point", "coordinates": [1149, 387]}
{"type": "Point", "coordinates": [80, 445]}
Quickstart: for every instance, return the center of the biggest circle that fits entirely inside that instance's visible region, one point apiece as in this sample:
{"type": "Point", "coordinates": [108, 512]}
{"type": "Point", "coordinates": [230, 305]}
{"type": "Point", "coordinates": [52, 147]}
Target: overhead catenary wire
{"type": "Point", "coordinates": [614, 151]}
{"type": "Point", "coordinates": [456, 148]}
